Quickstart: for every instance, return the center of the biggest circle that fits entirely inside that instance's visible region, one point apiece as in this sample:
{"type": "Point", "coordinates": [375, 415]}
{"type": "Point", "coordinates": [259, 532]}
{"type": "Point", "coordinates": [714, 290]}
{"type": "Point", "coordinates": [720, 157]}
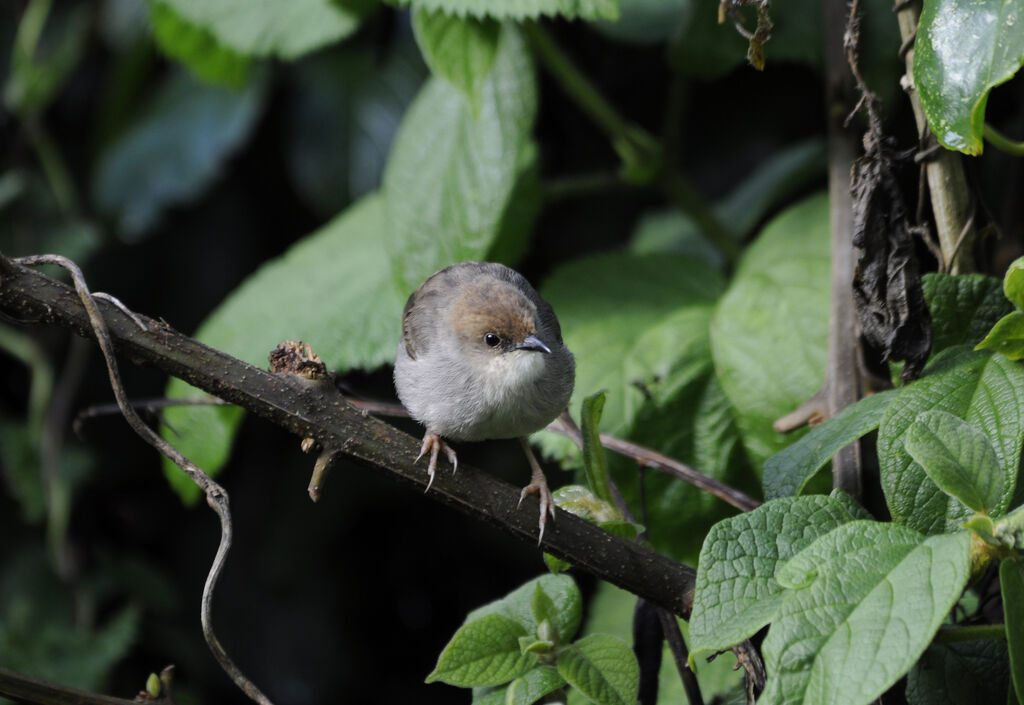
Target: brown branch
{"type": "Point", "coordinates": [216, 497]}
{"type": "Point", "coordinates": [313, 411]}
{"type": "Point", "coordinates": [27, 689]}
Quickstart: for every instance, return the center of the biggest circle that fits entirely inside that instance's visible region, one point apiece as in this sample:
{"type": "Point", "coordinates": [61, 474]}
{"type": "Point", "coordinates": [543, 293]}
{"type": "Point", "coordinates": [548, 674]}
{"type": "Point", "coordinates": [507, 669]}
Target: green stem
{"type": "Point", "coordinates": [1000, 141]}
{"type": "Point", "coordinates": [576, 84]}
{"type": "Point", "coordinates": [642, 153]}
{"type": "Point", "coordinates": [977, 632]}
{"type": "Point", "coordinates": [57, 173]}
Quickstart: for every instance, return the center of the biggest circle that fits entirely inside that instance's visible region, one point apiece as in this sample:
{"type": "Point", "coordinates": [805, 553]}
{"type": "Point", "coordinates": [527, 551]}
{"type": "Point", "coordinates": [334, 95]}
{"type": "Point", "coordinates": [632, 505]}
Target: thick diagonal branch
{"type": "Point", "coordinates": [317, 412]}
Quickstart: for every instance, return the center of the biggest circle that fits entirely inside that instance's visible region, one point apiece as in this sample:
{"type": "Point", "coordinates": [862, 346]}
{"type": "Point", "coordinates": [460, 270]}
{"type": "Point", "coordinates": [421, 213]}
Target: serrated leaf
{"type": "Point", "coordinates": [345, 263]}
{"type": "Point", "coordinates": [451, 175]}
{"type": "Point", "coordinates": [533, 685]}
{"type": "Point", "coordinates": [603, 668]}
{"type": "Point", "coordinates": [953, 674]}
{"type": "Point", "coordinates": [176, 150]}
{"type": "Point", "coordinates": [562, 591]}
{"type": "Point", "coordinates": [483, 652]}
{"type": "Point", "coordinates": [459, 50]}
{"type": "Point", "coordinates": [196, 47]}
{"type": "Point", "coordinates": [788, 471]}
{"type": "Point", "coordinates": [521, 9]}
{"type": "Point", "coordinates": [628, 320]}
{"type": "Point", "coordinates": [983, 389]}
{"type": "Point", "coordinates": [965, 48]}
{"type": "Point", "coordinates": [964, 307]}
{"type": "Point", "coordinates": [1006, 336]}
{"type": "Point", "coordinates": [736, 592]}
{"type": "Point", "coordinates": [770, 330]}
{"type": "Point", "coordinates": [1011, 582]}
{"type": "Point", "coordinates": [1013, 283]}
{"type": "Point", "coordinates": [269, 28]}
{"type": "Point", "coordinates": [868, 599]}
{"type": "Point", "coordinates": [595, 466]}
{"type": "Point", "coordinates": [960, 459]}
{"type": "Point", "coordinates": [343, 113]}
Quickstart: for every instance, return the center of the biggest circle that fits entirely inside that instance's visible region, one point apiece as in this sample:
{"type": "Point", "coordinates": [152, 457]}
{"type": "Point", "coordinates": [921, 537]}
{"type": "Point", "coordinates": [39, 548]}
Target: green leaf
{"type": "Point", "coordinates": [867, 599]}
{"type": "Point", "coordinates": [533, 685]}
{"type": "Point", "coordinates": [788, 471]}
{"type": "Point", "coordinates": [628, 320]}
{"type": "Point", "coordinates": [594, 463]}
{"type": "Point", "coordinates": [603, 668]}
{"type": "Point", "coordinates": [344, 262]}
{"type": "Point", "coordinates": [1006, 336]}
{"type": "Point", "coordinates": [581, 501]}
{"type": "Point", "coordinates": [953, 674]}
{"type": "Point", "coordinates": [1011, 582]}
{"type": "Point", "coordinates": [176, 150]}
{"type": "Point", "coordinates": [343, 112]}
{"type": "Point", "coordinates": [483, 652]}
{"type": "Point", "coordinates": [452, 175]}
{"type": "Point", "coordinates": [1013, 283]}
{"type": "Point", "coordinates": [196, 47]}
{"type": "Point", "coordinates": [269, 28]}
{"type": "Point", "coordinates": [612, 610]}
{"type": "Point", "coordinates": [984, 390]}
{"type": "Point", "coordinates": [965, 48]}
{"type": "Point", "coordinates": [521, 9]}
{"type": "Point", "coordinates": [460, 50]}
{"type": "Point", "coordinates": [960, 459]}
{"type": "Point", "coordinates": [964, 307]}
{"type": "Point", "coordinates": [736, 592]}
{"type": "Point", "coordinates": [770, 331]}
{"type": "Point", "coordinates": [543, 609]}
{"type": "Point", "coordinates": [518, 605]}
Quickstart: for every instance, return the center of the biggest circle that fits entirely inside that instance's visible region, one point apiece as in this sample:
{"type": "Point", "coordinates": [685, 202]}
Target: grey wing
{"type": "Point", "coordinates": [418, 317]}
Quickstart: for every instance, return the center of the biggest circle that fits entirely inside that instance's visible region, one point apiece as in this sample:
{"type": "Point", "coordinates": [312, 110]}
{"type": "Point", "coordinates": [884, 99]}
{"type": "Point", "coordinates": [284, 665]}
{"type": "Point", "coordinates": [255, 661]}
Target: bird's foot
{"type": "Point", "coordinates": [539, 486]}
{"type": "Point", "coordinates": [434, 443]}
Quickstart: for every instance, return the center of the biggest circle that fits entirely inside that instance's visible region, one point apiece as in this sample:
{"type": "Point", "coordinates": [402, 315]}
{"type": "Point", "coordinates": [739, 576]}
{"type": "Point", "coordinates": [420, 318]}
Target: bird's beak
{"type": "Point", "coordinates": [532, 342]}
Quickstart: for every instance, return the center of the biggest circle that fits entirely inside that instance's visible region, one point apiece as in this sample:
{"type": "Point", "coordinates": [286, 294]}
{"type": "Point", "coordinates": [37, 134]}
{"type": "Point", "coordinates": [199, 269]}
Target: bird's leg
{"type": "Point", "coordinates": [434, 443]}
{"type": "Point", "coordinates": [539, 486]}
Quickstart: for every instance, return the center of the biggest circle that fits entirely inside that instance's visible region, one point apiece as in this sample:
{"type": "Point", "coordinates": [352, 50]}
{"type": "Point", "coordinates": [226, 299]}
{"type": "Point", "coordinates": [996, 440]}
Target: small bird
{"type": "Point", "coordinates": [481, 357]}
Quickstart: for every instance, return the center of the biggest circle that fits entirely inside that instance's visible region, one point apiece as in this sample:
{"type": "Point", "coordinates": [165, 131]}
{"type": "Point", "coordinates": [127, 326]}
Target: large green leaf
{"type": "Point", "coordinates": [736, 592]}
{"type": "Point", "coordinates": [1006, 336]}
{"type": "Point", "coordinates": [344, 110]}
{"type": "Point", "coordinates": [458, 49]}
{"type": "Point", "coordinates": [964, 307]}
{"type": "Point", "coordinates": [331, 290]}
{"type": "Point", "coordinates": [196, 47]}
{"type": "Point", "coordinates": [788, 471]}
{"type": "Point", "coordinates": [965, 48]}
{"type": "Point", "coordinates": [954, 674]}
{"type": "Point", "coordinates": [866, 600]}
{"type": "Point", "coordinates": [629, 320]}
{"type": "Point", "coordinates": [271, 28]}
{"type": "Point", "coordinates": [980, 387]}
{"type": "Point", "coordinates": [603, 668]}
{"type": "Point", "coordinates": [453, 171]}
{"type": "Point", "coordinates": [521, 9]}
{"type": "Point", "coordinates": [483, 652]}
{"type": "Point", "coordinates": [770, 331]}
{"type": "Point", "coordinates": [173, 153]}
{"type": "Point", "coordinates": [960, 459]}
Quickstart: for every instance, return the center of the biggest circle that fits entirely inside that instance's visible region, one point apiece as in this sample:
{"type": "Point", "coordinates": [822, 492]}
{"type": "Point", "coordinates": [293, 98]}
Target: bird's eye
{"type": "Point", "coordinates": [492, 340]}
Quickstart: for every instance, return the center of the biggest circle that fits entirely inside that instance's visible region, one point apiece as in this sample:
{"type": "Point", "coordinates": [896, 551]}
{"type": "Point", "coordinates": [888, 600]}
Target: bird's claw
{"type": "Point", "coordinates": [539, 486]}
{"type": "Point", "coordinates": [432, 442]}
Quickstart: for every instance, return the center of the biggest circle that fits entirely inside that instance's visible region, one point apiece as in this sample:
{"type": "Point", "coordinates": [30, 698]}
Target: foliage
{"type": "Point", "coordinates": [304, 165]}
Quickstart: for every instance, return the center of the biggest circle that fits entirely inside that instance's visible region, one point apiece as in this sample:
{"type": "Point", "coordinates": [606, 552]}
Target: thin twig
{"type": "Point", "coordinates": [216, 497]}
